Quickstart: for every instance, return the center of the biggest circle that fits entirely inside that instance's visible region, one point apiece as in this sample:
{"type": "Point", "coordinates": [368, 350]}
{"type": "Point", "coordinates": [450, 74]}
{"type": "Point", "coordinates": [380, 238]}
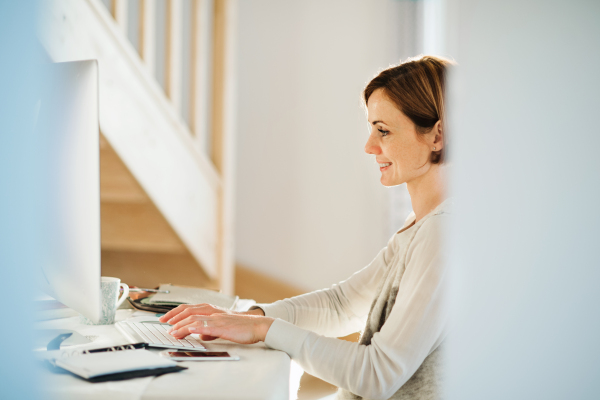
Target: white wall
{"type": "Point", "coordinates": [524, 118]}
{"type": "Point", "coordinates": [310, 208]}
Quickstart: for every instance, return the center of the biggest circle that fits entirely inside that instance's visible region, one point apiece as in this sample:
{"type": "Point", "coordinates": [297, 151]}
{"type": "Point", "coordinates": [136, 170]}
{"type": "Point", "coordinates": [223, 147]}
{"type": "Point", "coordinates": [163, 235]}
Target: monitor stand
{"type": "Point", "coordinates": [55, 339]}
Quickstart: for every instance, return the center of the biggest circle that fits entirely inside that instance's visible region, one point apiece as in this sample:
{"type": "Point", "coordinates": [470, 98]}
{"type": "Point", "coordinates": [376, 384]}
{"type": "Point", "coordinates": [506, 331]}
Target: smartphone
{"type": "Point", "coordinates": [198, 355]}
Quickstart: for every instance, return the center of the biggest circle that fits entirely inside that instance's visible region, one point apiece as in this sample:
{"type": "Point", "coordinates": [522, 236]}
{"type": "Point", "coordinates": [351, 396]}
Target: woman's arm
{"type": "Point", "coordinates": [343, 308]}
{"type": "Point", "coordinates": [338, 311]}
{"type": "Point", "coordinates": [414, 328]}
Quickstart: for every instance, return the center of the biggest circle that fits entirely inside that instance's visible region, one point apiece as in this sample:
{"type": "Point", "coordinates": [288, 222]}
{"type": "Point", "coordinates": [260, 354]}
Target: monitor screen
{"type": "Point", "coordinates": [67, 118]}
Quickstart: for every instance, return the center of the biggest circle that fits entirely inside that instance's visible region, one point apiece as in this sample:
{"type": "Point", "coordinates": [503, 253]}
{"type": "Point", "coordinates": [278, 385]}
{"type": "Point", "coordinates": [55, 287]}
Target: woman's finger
{"type": "Point", "coordinates": [213, 332]}
{"type": "Point", "coordinates": [181, 329]}
{"type": "Point", "coordinates": [189, 311]}
{"type": "Point", "coordinates": [184, 311]}
{"type": "Point", "coordinates": [191, 320]}
{"type": "Point", "coordinates": [180, 333]}
{"type": "Point", "coordinates": [173, 312]}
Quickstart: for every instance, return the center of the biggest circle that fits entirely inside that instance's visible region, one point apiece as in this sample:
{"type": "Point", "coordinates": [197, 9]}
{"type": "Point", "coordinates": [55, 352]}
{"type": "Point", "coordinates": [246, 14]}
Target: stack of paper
{"type": "Point", "coordinates": [185, 295]}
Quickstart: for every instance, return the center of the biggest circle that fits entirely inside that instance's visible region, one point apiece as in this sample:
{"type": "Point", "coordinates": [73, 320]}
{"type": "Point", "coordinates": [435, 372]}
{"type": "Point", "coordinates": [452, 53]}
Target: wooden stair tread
{"type": "Point", "coordinates": [150, 269]}
{"type": "Point", "coordinates": [117, 184]}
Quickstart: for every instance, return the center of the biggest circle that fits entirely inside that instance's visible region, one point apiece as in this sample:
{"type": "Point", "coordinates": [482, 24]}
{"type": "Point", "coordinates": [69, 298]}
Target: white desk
{"type": "Point", "coordinates": [261, 373]}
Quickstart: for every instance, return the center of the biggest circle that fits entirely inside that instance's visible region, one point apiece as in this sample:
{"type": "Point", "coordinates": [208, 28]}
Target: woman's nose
{"type": "Point", "coordinates": [371, 147]}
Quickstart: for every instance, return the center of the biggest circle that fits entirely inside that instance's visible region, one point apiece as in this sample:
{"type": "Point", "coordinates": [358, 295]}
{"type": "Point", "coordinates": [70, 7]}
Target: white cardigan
{"type": "Point", "coordinates": [306, 326]}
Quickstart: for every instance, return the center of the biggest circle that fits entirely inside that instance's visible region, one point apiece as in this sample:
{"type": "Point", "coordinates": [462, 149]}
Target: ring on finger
{"type": "Point", "coordinates": [205, 323]}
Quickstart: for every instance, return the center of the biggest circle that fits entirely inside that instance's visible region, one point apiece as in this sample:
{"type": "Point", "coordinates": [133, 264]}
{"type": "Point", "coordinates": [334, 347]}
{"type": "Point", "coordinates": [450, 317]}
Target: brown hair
{"type": "Point", "coordinates": [417, 88]}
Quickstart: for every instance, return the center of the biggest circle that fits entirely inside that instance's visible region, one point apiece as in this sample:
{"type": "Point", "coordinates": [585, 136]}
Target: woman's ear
{"type": "Point", "coordinates": [438, 136]}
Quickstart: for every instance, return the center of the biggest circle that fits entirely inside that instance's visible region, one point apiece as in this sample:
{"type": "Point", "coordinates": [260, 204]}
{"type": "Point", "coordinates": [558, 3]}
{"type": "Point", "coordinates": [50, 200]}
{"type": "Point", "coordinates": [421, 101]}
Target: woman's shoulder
{"type": "Point", "coordinates": [439, 216]}
{"type": "Point", "coordinates": [430, 221]}
{"type": "Point", "coordinates": [430, 227]}
{"type": "Point", "coordinates": [432, 230]}
{"type": "Point", "coordinates": [437, 220]}
{"type": "Point", "coordinates": [433, 227]}
{"type": "Point", "coordinates": [445, 207]}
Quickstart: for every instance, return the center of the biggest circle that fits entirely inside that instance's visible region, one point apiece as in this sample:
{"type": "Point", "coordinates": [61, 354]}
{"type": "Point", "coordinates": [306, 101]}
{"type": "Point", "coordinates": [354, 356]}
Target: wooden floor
{"type": "Point", "coordinates": [312, 388]}
{"type": "Point", "coordinates": [250, 284]}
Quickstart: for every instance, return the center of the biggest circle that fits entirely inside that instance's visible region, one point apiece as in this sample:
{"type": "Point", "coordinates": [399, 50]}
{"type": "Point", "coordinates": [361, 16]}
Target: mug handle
{"type": "Point", "coordinates": [124, 295]}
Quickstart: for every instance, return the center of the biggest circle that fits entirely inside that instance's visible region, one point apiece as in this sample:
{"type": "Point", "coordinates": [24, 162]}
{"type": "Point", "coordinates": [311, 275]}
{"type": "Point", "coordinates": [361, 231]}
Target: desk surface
{"type": "Point", "coordinates": [260, 373]}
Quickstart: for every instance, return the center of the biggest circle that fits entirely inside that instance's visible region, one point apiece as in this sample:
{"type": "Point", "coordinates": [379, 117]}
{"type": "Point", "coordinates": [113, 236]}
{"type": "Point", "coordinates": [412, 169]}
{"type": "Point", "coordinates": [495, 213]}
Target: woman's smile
{"type": "Point", "coordinates": [383, 165]}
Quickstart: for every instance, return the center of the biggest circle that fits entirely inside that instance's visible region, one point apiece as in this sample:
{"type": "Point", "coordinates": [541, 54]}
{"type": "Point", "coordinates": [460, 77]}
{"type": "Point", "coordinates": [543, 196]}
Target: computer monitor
{"type": "Point", "coordinates": [67, 118]}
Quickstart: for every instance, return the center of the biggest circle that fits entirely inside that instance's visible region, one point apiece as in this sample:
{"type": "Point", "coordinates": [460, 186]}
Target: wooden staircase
{"type": "Point", "coordinates": [138, 243]}
{"type": "Point", "coordinates": [166, 180]}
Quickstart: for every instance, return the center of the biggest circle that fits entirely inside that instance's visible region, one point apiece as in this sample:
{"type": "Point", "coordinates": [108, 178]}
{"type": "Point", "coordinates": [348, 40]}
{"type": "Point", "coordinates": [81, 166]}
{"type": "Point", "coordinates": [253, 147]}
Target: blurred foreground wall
{"type": "Point", "coordinates": [310, 208]}
{"type": "Point", "coordinates": [20, 205]}
{"type": "Point", "coordinates": [524, 246]}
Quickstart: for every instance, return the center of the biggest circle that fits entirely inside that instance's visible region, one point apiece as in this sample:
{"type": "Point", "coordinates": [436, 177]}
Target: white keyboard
{"type": "Point", "coordinates": [155, 334]}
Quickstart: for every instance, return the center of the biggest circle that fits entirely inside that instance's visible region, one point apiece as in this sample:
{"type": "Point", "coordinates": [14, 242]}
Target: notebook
{"type": "Point", "coordinates": [112, 364]}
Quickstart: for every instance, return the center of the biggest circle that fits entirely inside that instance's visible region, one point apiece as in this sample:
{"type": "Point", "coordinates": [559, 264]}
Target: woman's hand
{"type": "Point", "coordinates": [245, 329]}
{"type": "Point", "coordinates": [186, 318]}
{"type": "Point", "coordinates": [186, 310]}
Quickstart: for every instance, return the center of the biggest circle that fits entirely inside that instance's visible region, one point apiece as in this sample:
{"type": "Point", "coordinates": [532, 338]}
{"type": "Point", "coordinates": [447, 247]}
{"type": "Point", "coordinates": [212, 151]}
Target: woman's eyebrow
{"type": "Point", "coordinates": [377, 122]}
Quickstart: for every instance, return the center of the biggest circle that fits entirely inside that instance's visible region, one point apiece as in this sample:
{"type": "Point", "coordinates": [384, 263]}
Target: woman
{"type": "Point", "coordinates": [400, 294]}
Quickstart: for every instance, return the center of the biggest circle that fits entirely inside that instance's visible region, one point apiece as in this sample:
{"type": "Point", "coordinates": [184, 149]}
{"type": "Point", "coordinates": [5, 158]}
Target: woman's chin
{"type": "Point", "coordinates": [387, 182]}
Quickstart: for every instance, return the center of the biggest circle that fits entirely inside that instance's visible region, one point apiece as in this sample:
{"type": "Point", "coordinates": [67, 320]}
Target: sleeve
{"type": "Point", "coordinates": [414, 328]}
{"type": "Point", "coordinates": [340, 310]}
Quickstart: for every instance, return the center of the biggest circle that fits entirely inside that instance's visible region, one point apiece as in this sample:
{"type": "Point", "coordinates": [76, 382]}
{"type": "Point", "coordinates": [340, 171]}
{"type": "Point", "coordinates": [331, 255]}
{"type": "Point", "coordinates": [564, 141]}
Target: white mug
{"type": "Point", "coordinates": [110, 299]}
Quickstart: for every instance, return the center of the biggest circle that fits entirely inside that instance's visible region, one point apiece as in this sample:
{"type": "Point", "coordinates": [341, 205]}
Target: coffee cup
{"type": "Point", "coordinates": [109, 289]}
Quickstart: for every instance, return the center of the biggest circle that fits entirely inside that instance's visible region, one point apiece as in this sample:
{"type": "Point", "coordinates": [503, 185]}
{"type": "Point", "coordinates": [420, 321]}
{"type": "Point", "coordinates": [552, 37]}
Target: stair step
{"type": "Point", "coordinates": [138, 227]}
{"type": "Point", "coordinates": [117, 184]}
{"type": "Point", "coordinates": [150, 269]}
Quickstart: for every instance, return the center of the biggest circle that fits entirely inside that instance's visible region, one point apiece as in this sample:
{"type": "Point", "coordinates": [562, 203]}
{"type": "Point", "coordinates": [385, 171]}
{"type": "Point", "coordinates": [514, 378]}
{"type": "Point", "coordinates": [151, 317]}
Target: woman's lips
{"type": "Point", "coordinates": [384, 166]}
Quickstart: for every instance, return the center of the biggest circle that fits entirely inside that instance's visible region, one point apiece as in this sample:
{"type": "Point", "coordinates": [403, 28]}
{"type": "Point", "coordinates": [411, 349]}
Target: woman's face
{"type": "Point", "coordinates": [402, 154]}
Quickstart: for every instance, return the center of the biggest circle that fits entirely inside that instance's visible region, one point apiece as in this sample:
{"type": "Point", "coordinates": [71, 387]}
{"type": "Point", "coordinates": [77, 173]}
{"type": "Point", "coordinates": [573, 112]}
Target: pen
{"type": "Point", "coordinates": [147, 290]}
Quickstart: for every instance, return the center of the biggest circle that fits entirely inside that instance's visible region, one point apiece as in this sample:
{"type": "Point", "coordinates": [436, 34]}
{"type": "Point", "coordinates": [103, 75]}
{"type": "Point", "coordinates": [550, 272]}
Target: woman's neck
{"type": "Point", "coordinates": [427, 191]}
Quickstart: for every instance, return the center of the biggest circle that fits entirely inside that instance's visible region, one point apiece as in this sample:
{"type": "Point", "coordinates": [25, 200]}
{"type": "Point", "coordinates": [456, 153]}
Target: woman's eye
{"type": "Point", "coordinates": [383, 133]}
